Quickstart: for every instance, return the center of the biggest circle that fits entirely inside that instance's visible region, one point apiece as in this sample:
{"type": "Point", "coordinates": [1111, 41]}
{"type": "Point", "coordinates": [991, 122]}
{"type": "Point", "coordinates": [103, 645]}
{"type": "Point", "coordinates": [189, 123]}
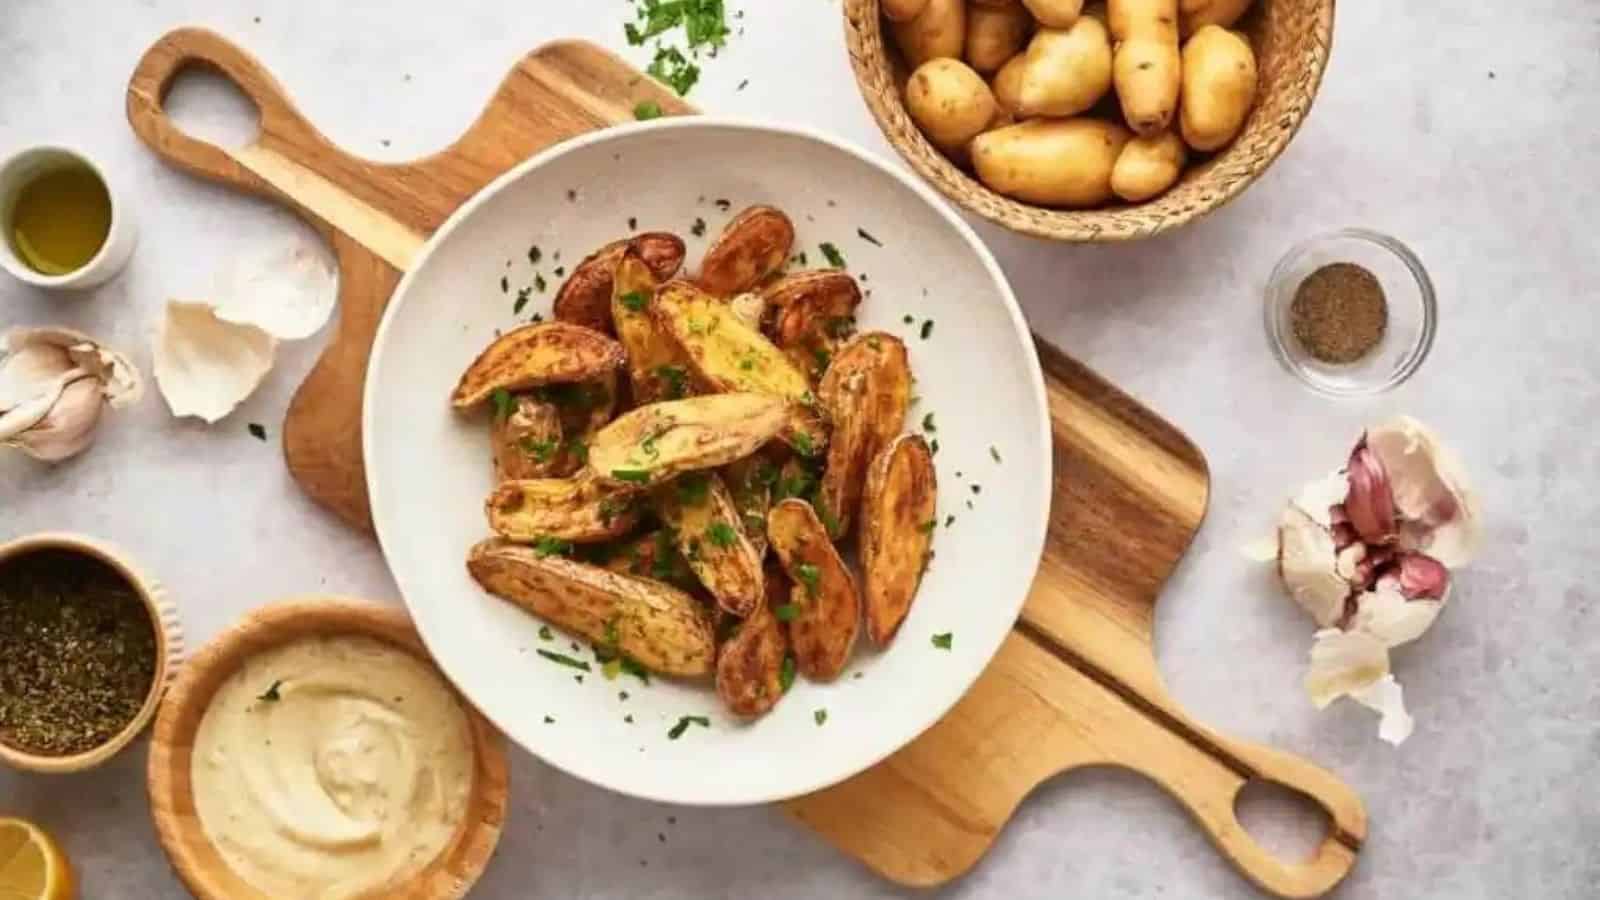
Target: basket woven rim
{"type": "Point", "coordinates": [863, 25]}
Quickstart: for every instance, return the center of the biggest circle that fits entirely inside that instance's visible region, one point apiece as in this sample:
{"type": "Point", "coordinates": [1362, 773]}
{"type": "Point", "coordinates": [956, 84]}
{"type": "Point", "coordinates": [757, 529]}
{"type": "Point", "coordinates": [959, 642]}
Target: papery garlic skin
{"type": "Point", "coordinates": [1342, 662]}
{"type": "Point", "coordinates": [1308, 565]}
{"type": "Point", "coordinates": [205, 366]}
{"type": "Point", "coordinates": [1387, 615]}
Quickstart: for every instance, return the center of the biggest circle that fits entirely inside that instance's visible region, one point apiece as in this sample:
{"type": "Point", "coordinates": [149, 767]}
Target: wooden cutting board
{"type": "Point", "coordinates": [1075, 684]}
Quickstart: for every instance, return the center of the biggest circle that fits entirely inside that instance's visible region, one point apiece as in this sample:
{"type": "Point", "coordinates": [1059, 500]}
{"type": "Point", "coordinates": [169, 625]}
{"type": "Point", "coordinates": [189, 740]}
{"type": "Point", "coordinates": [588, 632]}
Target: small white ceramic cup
{"type": "Point", "coordinates": [21, 167]}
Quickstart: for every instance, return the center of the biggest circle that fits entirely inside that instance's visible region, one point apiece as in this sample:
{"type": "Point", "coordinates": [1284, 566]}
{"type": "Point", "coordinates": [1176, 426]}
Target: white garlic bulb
{"type": "Point", "coordinates": [54, 384]}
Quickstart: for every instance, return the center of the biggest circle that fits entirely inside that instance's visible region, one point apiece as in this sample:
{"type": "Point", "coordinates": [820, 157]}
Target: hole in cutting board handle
{"type": "Point", "coordinates": [1288, 823]}
{"type": "Point", "coordinates": [208, 106]}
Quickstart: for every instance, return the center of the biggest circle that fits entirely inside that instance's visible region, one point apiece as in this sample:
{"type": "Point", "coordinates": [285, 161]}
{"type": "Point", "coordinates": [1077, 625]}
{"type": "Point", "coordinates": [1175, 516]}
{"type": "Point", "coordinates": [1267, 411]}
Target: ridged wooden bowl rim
{"type": "Point", "coordinates": [197, 862]}
{"type": "Point", "coordinates": [1292, 40]}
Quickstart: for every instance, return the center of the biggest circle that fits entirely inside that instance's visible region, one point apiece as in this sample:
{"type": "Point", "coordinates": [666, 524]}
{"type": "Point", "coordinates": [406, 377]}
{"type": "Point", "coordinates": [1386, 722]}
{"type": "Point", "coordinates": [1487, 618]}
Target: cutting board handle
{"type": "Point", "coordinates": [186, 48]}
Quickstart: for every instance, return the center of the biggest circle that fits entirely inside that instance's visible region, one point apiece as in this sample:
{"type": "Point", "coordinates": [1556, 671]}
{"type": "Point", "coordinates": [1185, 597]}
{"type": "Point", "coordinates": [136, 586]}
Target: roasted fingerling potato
{"type": "Point", "coordinates": [752, 246]}
{"type": "Point", "coordinates": [654, 443]}
{"type": "Point", "coordinates": [585, 297]}
{"type": "Point", "coordinates": [826, 607]}
{"type": "Point", "coordinates": [898, 517]}
{"type": "Point", "coordinates": [536, 355]}
{"type": "Point", "coordinates": [814, 312]}
{"type": "Point", "coordinates": [526, 439]}
{"type": "Point", "coordinates": [701, 514]}
{"type": "Point", "coordinates": [750, 663]}
{"type": "Point", "coordinates": [652, 554]}
{"type": "Point", "coordinates": [865, 393]}
{"type": "Point", "coordinates": [578, 509]}
{"type": "Point", "coordinates": [750, 482]}
{"type": "Point", "coordinates": [656, 367]}
{"type": "Point", "coordinates": [656, 625]}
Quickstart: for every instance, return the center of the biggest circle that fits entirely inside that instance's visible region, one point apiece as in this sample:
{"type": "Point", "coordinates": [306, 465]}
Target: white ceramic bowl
{"type": "Point", "coordinates": [428, 468]}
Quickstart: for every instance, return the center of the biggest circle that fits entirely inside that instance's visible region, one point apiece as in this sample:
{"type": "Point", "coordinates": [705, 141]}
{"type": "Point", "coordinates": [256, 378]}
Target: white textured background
{"type": "Point", "coordinates": [1467, 130]}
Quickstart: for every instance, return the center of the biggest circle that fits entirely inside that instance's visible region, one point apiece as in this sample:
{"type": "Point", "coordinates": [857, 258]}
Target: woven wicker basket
{"type": "Point", "coordinates": [1291, 39]}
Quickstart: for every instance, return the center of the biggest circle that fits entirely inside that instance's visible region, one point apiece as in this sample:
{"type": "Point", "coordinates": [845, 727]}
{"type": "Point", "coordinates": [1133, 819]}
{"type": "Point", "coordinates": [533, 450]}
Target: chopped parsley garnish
{"type": "Point", "coordinates": [907, 319]}
{"type": "Point", "coordinates": [622, 695]}
{"type": "Point", "coordinates": [942, 641]}
{"type": "Point", "coordinates": [609, 509]}
{"type": "Point", "coordinates": [832, 254]}
{"type": "Point", "coordinates": [633, 476]}
{"type": "Point", "coordinates": [721, 534]}
{"type": "Point", "coordinates": [723, 204]}
{"type": "Point", "coordinates": [551, 546]}
{"type": "Point", "coordinates": [693, 488]}
{"type": "Point", "coordinates": [927, 329]}
{"type": "Point", "coordinates": [503, 404]}
{"type": "Point", "coordinates": [797, 485]}
{"type": "Point", "coordinates": [522, 300]}
{"type": "Point", "coordinates": [867, 236]}
{"type": "Point", "coordinates": [994, 453]}
{"type": "Point", "coordinates": [631, 667]}
{"type": "Point", "coordinates": [977, 489]}
{"type": "Point", "coordinates": [839, 327]}
{"type": "Point", "coordinates": [535, 254]}
{"type": "Point", "coordinates": [788, 612]}
{"type": "Point", "coordinates": [677, 381]}
{"type": "Point", "coordinates": [928, 526]}
{"type": "Point", "coordinates": [802, 443]}
{"type": "Point", "coordinates": [560, 271]}
{"type": "Point", "coordinates": [698, 229]}
{"type": "Point", "coordinates": [808, 575]}
{"type": "Point", "coordinates": [505, 285]}
{"type": "Point", "coordinates": [541, 451]}
{"type": "Point", "coordinates": [933, 446]}
{"type": "Point", "coordinates": [673, 69]}
{"type": "Point", "coordinates": [271, 695]}
{"type": "Point", "coordinates": [820, 716]}
{"type": "Point", "coordinates": [538, 282]}
{"type": "Point", "coordinates": [646, 110]}
{"type": "Point", "coordinates": [927, 423]}
{"type": "Point", "coordinates": [635, 301]}
{"type": "Point", "coordinates": [633, 223]}
{"type": "Point", "coordinates": [257, 431]}
{"type": "Point", "coordinates": [683, 725]}
{"type": "Point", "coordinates": [822, 357]}
{"type": "Point", "coordinates": [545, 634]}
{"type": "Point", "coordinates": [829, 521]}
{"type": "Point", "coordinates": [786, 674]}
{"type": "Point", "coordinates": [949, 520]}
{"type": "Point", "coordinates": [743, 84]}
{"type": "Point", "coordinates": [549, 721]}
{"type": "Point", "coordinates": [563, 659]}
{"type": "Point", "coordinates": [579, 450]}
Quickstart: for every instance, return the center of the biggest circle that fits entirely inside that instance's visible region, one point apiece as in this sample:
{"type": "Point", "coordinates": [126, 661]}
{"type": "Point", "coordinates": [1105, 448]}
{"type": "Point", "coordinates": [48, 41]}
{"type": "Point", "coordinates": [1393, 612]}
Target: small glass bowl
{"type": "Point", "coordinates": [1413, 312]}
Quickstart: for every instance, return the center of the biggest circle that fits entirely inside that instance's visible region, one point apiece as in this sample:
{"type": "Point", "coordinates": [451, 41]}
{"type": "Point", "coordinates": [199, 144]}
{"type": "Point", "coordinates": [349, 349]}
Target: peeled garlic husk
{"type": "Point", "coordinates": [54, 384]}
{"type": "Point", "coordinates": [1308, 565]}
{"type": "Point", "coordinates": [1355, 664]}
{"type": "Point", "coordinates": [1318, 499]}
{"type": "Point", "coordinates": [205, 366]}
{"type": "Point", "coordinates": [287, 290]}
{"type": "Point", "coordinates": [1387, 615]}
{"type": "Point", "coordinates": [1438, 512]}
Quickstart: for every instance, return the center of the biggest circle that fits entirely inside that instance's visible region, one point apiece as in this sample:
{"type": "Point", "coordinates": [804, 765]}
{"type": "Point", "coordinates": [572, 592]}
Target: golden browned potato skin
{"type": "Point", "coordinates": [939, 30]}
{"type": "Point", "coordinates": [1055, 13]}
{"type": "Point", "coordinates": [578, 509]}
{"type": "Point", "coordinates": [752, 246]}
{"type": "Point", "coordinates": [950, 102]}
{"type": "Point", "coordinates": [1219, 87]}
{"type": "Point", "coordinates": [585, 297]}
{"type": "Point", "coordinates": [750, 664]}
{"type": "Point", "coordinates": [535, 355]}
{"type": "Point", "coordinates": [1065, 163]}
{"type": "Point", "coordinates": [656, 369]}
{"type": "Point", "coordinates": [824, 631]}
{"type": "Point", "coordinates": [731, 571]}
{"type": "Point", "coordinates": [1148, 166]}
{"type": "Point", "coordinates": [660, 627]}
{"type": "Point", "coordinates": [995, 34]}
{"type": "Point", "coordinates": [526, 443]}
{"type": "Point", "coordinates": [898, 513]}
{"type": "Point", "coordinates": [1194, 15]}
{"type": "Point", "coordinates": [1067, 72]}
{"type": "Point", "coordinates": [865, 393]}
{"type": "Point", "coordinates": [1146, 67]}
{"type": "Point", "coordinates": [903, 10]}
{"type": "Point", "coordinates": [812, 312]}
{"type": "Point", "coordinates": [752, 496]}
{"type": "Point", "coordinates": [654, 443]}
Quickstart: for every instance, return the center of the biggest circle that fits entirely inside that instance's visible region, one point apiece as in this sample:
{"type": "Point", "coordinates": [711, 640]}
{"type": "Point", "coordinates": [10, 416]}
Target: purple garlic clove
{"type": "Point", "coordinates": [1370, 505]}
{"type": "Point", "coordinates": [1422, 577]}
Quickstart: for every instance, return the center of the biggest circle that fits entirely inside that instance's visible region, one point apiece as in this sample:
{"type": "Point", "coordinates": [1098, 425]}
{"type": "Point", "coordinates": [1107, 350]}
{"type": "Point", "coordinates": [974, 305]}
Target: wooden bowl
{"type": "Point", "coordinates": [1292, 39]}
{"type": "Point", "coordinates": [169, 649]}
{"type": "Point", "coordinates": [197, 862]}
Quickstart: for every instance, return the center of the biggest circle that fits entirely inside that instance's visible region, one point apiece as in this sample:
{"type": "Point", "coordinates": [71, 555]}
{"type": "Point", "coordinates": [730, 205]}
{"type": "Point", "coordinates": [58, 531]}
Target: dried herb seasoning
{"type": "Point", "coordinates": [1339, 313]}
{"type": "Point", "coordinates": [77, 653]}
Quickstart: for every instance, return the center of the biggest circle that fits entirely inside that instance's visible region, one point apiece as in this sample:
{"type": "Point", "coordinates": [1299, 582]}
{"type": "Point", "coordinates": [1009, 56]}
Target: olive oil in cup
{"type": "Point", "coordinates": [63, 225]}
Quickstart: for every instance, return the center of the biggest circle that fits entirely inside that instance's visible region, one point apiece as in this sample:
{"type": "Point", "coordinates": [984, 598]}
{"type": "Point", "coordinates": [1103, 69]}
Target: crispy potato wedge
{"type": "Point", "coordinates": [534, 355]}
{"type": "Point", "coordinates": [579, 509]}
{"type": "Point", "coordinates": [527, 442]}
{"type": "Point", "coordinates": [829, 614]}
{"type": "Point", "coordinates": [815, 314]}
{"type": "Point", "coordinates": [750, 482]}
{"type": "Point", "coordinates": [584, 409]}
{"type": "Point", "coordinates": [653, 554]}
{"type": "Point", "coordinates": [657, 369]}
{"type": "Point", "coordinates": [660, 627]}
{"type": "Point", "coordinates": [728, 355]}
{"type": "Point", "coordinates": [753, 245]}
{"type": "Point", "coordinates": [585, 297]}
{"type": "Point", "coordinates": [750, 664]}
{"type": "Point", "coordinates": [898, 515]}
{"type": "Point", "coordinates": [866, 392]}
{"type": "Point", "coordinates": [705, 525]}
{"type": "Point", "coordinates": [654, 443]}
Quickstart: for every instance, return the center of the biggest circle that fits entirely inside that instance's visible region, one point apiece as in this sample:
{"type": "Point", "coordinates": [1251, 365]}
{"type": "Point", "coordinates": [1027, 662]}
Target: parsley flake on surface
{"type": "Point", "coordinates": [995, 454]}
{"type": "Point", "coordinates": [538, 282]}
{"type": "Point", "coordinates": [632, 476]}
{"type": "Point", "coordinates": [949, 520]}
{"type": "Point", "coordinates": [683, 725]}
{"type": "Point", "coordinates": [928, 526]}
{"type": "Point", "coordinates": [505, 285]}
{"type": "Point", "coordinates": [271, 694]}
{"type": "Point", "coordinates": [549, 721]}
{"type": "Point", "coordinates": [927, 423]}
{"type": "Point", "coordinates": [522, 300]}
{"type": "Point", "coordinates": [927, 329]}
{"type": "Point", "coordinates": [545, 633]}
{"type": "Point", "coordinates": [788, 612]}
{"type": "Point", "coordinates": [698, 229]}
{"type": "Point", "coordinates": [819, 716]}
{"type": "Point", "coordinates": [635, 301]}
{"type": "Point", "coordinates": [551, 546]}
{"type": "Point", "coordinates": [943, 641]}
{"type": "Point", "coordinates": [535, 254]}
{"type": "Point", "coordinates": [564, 660]}
{"type": "Point", "coordinates": [721, 534]}
{"type": "Point", "coordinates": [257, 431]}
{"type": "Point", "coordinates": [503, 404]}
{"type": "Point", "coordinates": [867, 236]}
{"type": "Point", "coordinates": [646, 110]}
{"type": "Point", "coordinates": [832, 254]}
{"type": "Point", "coordinates": [808, 575]}
{"type": "Point", "coordinates": [673, 69]}
{"type": "Point", "coordinates": [786, 674]}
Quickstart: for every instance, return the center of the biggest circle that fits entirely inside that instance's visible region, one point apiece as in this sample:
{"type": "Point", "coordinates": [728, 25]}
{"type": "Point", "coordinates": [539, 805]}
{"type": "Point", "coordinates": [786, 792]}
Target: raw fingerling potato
{"type": "Point", "coordinates": [1146, 66]}
{"type": "Point", "coordinates": [903, 10]}
{"type": "Point", "coordinates": [1007, 84]}
{"type": "Point", "coordinates": [1064, 163]}
{"type": "Point", "coordinates": [1194, 15]}
{"type": "Point", "coordinates": [656, 625]}
{"type": "Point", "coordinates": [1148, 166]}
{"type": "Point", "coordinates": [898, 516]}
{"type": "Point", "coordinates": [1219, 87]}
{"type": "Point", "coordinates": [585, 297]}
{"type": "Point", "coordinates": [939, 30]}
{"type": "Point", "coordinates": [753, 245]}
{"type": "Point", "coordinates": [1067, 71]}
{"type": "Point", "coordinates": [1055, 13]}
{"type": "Point", "coordinates": [995, 34]}
{"type": "Point", "coordinates": [828, 615]}
{"type": "Point", "coordinates": [950, 103]}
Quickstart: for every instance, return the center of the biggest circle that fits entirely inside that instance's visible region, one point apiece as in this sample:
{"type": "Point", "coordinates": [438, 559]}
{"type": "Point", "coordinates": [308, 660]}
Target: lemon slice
{"type": "Point", "coordinates": [32, 866]}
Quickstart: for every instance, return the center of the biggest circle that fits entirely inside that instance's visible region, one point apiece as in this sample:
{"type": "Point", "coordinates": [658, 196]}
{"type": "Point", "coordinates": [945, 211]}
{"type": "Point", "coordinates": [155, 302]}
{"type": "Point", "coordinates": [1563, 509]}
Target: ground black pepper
{"type": "Point", "coordinates": [1339, 313]}
{"type": "Point", "coordinates": [77, 652]}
